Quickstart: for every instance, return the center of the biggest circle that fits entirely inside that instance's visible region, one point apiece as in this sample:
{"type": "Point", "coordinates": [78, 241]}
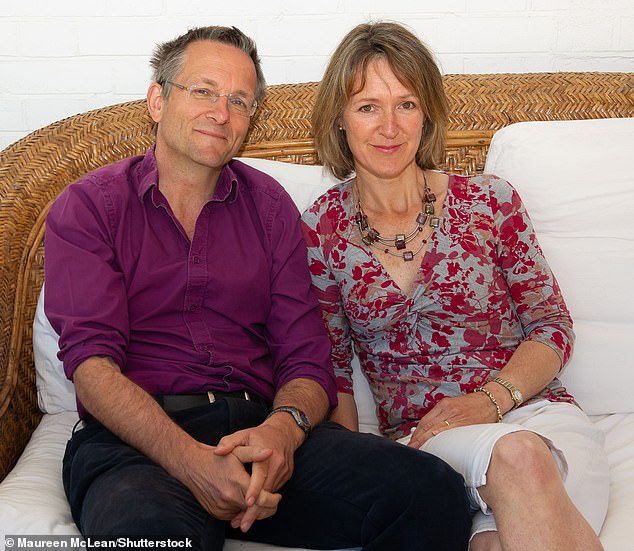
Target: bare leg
{"type": "Point", "coordinates": [531, 507]}
{"type": "Point", "coordinates": [486, 541]}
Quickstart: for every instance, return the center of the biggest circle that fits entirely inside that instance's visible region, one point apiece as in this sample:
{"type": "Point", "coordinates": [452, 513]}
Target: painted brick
{"type": "Point", "coordinates": [132, 76]}
{"type": "Point", "coordinates": [625, 40]}
{"type": "Point", "coordinates": [64, 77]}
{"type": "Point", "coordinates": [11, 115]}
{"type": "Point", "coordinates": [48, 38]}
{"type": "Point", "coordinates": [586, 32]}
{"type": "Point", "coordinates": [8, 39]}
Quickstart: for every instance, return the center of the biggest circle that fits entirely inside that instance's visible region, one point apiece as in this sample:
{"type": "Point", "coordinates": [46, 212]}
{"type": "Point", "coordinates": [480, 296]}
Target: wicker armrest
{"type": "Point", "coordinates": [35, 169]}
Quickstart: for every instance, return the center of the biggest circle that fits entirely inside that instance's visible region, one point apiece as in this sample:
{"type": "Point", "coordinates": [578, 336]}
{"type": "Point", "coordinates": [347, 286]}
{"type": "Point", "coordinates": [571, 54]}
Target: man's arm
{"type": "Point", "coordinates": [219, 483]}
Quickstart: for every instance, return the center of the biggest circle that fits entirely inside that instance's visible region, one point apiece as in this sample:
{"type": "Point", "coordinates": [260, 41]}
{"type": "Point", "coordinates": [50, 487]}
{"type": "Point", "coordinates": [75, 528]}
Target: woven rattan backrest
{"type": "Point", "coordinates": [34, 170]}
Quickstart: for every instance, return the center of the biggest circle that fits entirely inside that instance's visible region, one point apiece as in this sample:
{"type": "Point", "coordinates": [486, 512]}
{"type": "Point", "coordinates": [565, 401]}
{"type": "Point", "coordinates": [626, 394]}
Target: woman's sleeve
{"type": "Point", "coordinates": [329, 296]}
{"type": "Point", "coordinates": [532, 284]}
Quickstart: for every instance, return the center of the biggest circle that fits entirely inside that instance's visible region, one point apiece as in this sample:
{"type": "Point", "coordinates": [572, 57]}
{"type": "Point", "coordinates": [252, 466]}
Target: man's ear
{"type": "Point", "coordinates": [155, 101]}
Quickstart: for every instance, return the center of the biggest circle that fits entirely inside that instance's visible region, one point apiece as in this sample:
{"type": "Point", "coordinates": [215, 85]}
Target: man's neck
{"type": "Point", "coordinates": [186, 191]}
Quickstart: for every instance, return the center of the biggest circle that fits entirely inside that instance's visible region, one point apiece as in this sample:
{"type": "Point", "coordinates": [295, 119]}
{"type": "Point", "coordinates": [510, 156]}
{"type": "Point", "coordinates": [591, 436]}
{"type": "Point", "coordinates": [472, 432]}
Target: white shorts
{"type": "Point", "coordinates": [576, 445]}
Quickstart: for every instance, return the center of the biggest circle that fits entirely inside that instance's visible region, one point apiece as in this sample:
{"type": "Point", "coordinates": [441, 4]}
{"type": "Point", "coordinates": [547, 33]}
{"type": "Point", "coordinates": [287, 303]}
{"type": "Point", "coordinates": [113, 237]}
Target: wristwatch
{"type": "Point", "coordinates": [515, 392]}
{"type": "Point", "coordinates": [297, 414]}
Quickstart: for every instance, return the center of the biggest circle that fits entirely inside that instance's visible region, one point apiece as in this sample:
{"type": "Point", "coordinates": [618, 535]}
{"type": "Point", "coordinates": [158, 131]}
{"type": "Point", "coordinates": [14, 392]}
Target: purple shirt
{"type": "Point", "coordinates": [230, 310]}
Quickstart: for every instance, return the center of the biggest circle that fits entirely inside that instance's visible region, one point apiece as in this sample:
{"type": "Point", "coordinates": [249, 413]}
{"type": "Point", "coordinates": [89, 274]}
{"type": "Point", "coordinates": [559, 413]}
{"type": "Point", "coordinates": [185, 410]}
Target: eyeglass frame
{"type": "Point", "coordinates": [215, 96]}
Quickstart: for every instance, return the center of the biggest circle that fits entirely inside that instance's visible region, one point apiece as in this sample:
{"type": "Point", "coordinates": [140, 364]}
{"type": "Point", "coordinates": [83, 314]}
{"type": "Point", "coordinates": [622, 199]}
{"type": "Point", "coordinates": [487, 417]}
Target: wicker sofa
{"type": "Point", "coordinates": [35, 169]}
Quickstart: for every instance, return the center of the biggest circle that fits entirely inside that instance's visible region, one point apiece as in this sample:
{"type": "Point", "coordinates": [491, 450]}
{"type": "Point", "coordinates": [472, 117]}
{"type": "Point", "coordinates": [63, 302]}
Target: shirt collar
{"type": "Point", "coordinates": [226, 188]}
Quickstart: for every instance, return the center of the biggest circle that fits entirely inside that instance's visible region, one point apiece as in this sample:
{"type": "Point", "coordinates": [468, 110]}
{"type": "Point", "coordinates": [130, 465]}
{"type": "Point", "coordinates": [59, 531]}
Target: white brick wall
{"type": "Point", "coordinates": [62, 57]}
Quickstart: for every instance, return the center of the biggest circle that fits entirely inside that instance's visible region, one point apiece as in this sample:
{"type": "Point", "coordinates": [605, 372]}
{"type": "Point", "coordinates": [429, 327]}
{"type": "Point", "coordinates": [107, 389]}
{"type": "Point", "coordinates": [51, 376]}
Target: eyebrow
{"type": "Point", "coordinates": [214, 84]}
{"type": "Point", "coordinates": [409, 96]}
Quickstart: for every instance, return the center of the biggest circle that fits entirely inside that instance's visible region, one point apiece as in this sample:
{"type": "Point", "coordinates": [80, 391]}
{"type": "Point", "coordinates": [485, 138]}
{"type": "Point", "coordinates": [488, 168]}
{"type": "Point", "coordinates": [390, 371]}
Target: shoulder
{"type": "Point", "coordinates": [108, 185]}
{"type": "Point", "coordinates": [331, 204]}
{"type": "Point", "coordinates": [486, 189]}
{"type": "Point", "coordinates": [255, 181]}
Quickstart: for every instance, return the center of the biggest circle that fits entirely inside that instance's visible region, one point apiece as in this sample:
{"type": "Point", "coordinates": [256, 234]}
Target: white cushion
{"type": "Point", "coordinates": [304, 183]}
{"type": "Point", "coordinates": [55, 393]}
{"type": "Point", "coordinates": [575, 180]}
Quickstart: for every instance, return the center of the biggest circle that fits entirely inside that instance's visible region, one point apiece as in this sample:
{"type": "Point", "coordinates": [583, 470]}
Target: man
{"type": "Point", "coordinates": [179, 286]}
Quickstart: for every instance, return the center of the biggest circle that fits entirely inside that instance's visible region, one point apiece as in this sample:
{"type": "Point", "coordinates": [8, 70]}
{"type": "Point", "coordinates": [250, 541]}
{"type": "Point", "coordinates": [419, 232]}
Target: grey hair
{"type": "Point", "coordinates": [168, 57]}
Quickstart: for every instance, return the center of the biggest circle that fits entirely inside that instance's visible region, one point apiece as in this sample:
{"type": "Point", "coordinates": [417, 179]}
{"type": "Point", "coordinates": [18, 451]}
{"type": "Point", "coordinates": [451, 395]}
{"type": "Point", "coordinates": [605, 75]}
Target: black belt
{"type": "Point", "coordinates": [176, 402]}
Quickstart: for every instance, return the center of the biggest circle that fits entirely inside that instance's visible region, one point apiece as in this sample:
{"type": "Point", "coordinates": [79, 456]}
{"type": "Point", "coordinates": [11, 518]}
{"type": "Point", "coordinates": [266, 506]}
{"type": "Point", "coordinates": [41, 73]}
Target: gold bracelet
{"type": "Point", "coordinates": [516, 395]}
{"type": "Point", "coordinates": [486, 391]}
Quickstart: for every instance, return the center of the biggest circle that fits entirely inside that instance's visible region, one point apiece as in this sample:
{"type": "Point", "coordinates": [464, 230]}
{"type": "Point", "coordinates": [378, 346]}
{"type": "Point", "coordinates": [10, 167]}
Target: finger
{"type": "Point", "coordinates": [228, 443]}
{"type": "Point", "coordinates": [259, 472]}
{"type": "Point", "coordinates": [266, 507]}
{"type": "Point", "coordinates": [250, 454]}
{"type": "Point", "coordinates": [420, 437]}
{"type": "Point", "coordinates": [235, 521]}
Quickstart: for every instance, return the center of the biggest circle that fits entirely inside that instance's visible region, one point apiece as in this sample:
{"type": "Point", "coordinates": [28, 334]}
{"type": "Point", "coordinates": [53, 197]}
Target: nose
{"type": "Point", "coordinates": [389, 124]}
{"type": "Point", "coordinates": [219, 110]}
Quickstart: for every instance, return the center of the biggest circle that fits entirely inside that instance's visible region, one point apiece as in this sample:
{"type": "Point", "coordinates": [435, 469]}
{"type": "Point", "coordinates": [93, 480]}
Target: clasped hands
{"type": "Point", "coordinates": [448, 413]}
{"type": "Point", "coordinates": [227, 490]}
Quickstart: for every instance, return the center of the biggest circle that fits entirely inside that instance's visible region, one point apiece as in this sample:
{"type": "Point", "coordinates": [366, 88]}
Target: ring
{"type": "Point", "coordinates": [447, 423]}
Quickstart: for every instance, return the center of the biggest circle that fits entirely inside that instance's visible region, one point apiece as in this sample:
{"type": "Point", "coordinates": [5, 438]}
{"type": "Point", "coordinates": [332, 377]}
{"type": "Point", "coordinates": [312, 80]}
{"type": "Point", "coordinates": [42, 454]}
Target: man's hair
{"type": "Point", "coordinates": [168, 57]}
{"type": "Point", "coordinates": [412, 63]}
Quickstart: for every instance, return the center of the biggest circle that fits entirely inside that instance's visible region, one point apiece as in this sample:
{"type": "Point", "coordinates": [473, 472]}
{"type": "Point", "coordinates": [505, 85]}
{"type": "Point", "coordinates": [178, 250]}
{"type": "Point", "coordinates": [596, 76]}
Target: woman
{"type": "Point", "coordinates": [439, 284]}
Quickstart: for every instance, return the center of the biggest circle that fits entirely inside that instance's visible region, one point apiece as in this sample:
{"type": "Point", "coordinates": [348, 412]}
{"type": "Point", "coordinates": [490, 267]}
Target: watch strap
{"type": "Point", "coordinates": [516, 395]}
{"type": "Point", "coordinates": [300, 418]}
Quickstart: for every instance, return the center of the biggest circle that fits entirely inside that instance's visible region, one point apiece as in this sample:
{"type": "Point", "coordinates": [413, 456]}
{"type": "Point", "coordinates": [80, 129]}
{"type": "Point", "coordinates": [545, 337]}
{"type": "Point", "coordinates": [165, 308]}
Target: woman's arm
{"type": "Point", "coordinates": [346, 413]}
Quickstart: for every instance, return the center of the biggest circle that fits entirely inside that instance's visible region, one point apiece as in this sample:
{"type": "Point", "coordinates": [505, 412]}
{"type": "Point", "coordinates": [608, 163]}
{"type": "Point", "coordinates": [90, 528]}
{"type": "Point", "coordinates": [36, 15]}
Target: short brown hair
{"type": "Point", "coordinates": [412, 63]}
{"type": "Point", "coordinates": [168, 58]}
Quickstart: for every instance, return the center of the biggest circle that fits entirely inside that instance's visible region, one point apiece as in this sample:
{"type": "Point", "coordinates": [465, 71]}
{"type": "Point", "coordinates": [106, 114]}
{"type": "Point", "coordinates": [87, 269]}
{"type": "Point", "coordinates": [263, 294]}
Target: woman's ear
{"type": "Point", "coordinates": [155, 101]}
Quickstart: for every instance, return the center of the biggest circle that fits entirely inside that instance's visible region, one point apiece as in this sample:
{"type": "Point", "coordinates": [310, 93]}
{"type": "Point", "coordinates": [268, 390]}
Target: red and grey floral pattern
{"type": "Point", "coordinates": [483, 287]}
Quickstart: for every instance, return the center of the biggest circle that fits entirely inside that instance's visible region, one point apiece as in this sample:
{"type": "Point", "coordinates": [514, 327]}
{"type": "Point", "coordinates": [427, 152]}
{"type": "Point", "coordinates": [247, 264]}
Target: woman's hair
{"type": "Point", "coordinates": [168, 57]}
{"type": "Point", "coordinates": [412, 63]}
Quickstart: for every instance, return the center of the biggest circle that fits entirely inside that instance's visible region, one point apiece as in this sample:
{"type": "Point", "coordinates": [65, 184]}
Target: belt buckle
{"type": "Point", "coordinates": [212, 397]}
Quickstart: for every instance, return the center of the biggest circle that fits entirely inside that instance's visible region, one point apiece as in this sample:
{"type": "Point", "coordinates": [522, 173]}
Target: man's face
{"type": "Point", "coordinates": [197, 132]}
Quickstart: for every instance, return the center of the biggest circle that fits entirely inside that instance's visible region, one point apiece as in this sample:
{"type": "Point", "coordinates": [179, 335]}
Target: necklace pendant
{"type": "Point", "coordinates": [408, 256]}
{"type": "Point", "coordinates": [399, 241]}
{"type": "Point", "coordinates": [429, 208]}
{"type": "Point", "coordinates": [434, 222]}
{"type": "Point", "coordinates": [421, 219]}
{"type": "Point", "coordinates": [361, 221]}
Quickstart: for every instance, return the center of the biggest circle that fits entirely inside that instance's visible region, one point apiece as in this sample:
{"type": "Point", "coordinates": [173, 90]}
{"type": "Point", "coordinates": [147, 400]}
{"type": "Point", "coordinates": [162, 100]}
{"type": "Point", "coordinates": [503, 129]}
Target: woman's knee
{"type": "Point", "coordinates": [523, 456]}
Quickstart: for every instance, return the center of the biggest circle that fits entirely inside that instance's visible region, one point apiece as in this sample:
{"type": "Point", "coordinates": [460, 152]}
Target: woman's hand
{"type": "Point", "coordinates": [469, 409]}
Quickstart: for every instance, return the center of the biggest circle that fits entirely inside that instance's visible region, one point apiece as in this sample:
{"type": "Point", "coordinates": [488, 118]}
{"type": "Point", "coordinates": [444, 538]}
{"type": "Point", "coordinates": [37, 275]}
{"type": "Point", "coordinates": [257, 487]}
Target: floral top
{"type": "Point", "coordinates": [483, 287]}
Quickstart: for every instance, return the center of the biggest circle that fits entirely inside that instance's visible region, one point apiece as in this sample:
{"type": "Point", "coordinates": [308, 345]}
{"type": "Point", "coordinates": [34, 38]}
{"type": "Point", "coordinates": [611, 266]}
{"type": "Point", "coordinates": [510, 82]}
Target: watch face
{"type": "Point", "coordinates": [301, 419]}
{"type": "Point", "coordinates": [298, 416]}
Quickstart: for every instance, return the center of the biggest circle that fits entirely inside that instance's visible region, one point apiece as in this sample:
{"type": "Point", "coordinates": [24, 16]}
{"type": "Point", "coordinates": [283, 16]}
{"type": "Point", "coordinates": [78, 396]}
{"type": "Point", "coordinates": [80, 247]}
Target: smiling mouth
{"type": "Point", "coordinates": [386, 148]}
{"type": "Point", "coordinates": [211, 134]}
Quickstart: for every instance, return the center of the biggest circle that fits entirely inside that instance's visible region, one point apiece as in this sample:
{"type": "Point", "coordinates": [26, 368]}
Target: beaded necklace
{"type": "Point", "coordinates": [372, 238]}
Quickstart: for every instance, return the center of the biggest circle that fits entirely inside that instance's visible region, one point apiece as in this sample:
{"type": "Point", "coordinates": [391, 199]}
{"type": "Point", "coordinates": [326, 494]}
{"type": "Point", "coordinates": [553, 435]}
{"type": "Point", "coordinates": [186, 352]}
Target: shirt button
{"type": "Point", "coordinates": [196, 260]}
{"type": "Point", "coordinates": [193, 308]}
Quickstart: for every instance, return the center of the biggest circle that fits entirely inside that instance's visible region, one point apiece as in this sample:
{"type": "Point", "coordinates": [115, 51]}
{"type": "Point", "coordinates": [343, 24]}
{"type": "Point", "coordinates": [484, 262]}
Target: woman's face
{"type": "Point", "coordinates": [383, 124]}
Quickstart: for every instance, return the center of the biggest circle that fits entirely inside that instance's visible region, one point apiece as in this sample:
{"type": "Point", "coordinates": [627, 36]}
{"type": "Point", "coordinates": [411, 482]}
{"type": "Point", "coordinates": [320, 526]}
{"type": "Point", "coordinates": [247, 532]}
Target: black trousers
{"type": "Point", "coordinates": [347, 490]}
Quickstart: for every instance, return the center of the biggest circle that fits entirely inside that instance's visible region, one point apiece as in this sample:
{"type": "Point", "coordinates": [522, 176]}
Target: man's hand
{"type": "Point", "coordinates": [220, 483]}
{"type": "Point", "coordinates": [281, 436]}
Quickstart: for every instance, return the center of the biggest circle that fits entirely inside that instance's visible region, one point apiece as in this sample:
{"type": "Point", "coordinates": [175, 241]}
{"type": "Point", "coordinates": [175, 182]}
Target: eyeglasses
{"type": "Point", "coordinates": [235, 103]}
